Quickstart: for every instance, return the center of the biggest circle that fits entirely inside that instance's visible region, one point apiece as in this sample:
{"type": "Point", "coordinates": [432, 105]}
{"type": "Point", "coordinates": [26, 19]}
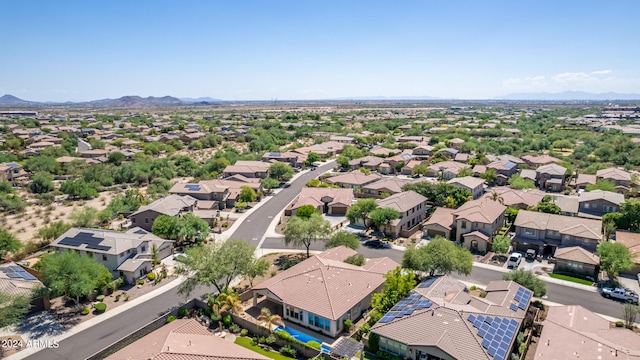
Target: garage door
{"type": "Point", "coordinates": [434, 233]}
{"type": "Point", "coordinates": [338, 210]}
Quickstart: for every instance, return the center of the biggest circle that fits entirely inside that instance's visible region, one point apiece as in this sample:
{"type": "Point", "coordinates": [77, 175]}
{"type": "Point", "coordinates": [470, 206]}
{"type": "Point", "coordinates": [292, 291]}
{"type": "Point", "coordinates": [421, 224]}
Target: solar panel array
{"type": "Point", "coordinates": [497, 333]}
{"type": "Point", "coordinates": [522, 298]}
{"type": "Point", "coordinates": [406, 306]}
{"type": "Point", "coordinates": [16, 272]}
{"type": "Point", "coordinates": [274, 154]}
{"type": "Point", "coordinates": [427, 283]}
{"type": "Point", "coordinates": [12, 165]}
{"type": "Point", "coordinates": [193, 187]}
{"type": "Point", "coordinates": [87, 239]}
{"type": "Point", "coordinates": [347, 348]}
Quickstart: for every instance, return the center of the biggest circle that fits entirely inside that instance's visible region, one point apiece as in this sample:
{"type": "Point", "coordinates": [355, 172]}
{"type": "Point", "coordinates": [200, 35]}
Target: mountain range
{"type": "Point", "coordinates": [569, 95]}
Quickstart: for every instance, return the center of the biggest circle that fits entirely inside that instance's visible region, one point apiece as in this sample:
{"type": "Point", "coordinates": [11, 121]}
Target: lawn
{"type": "Point", "coordinates": [572, 279]}
{"type": "Point", "coordinates": [246, 343]}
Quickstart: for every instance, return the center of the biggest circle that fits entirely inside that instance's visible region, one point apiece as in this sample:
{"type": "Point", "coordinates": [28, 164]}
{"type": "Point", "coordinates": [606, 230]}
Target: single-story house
{"type": "Point", "coordinates": [353, 180]}
{"type": "Point", "coordinates": [172, 205]}
{"type": "Point", "coordinates": [330, 201]}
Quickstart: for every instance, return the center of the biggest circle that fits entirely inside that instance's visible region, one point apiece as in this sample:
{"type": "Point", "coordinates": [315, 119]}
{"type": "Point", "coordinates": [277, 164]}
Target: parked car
{"type": "Point", "coordinates": [530, 254]}
{"type": "Point", "coordinates": [375, 244]}
{"type": "Point", "coordinates": [313, 168]}
{"type": "Point", "coordinates": [620, 294]}
{"type": "Point", "coordinates": [514, 260]}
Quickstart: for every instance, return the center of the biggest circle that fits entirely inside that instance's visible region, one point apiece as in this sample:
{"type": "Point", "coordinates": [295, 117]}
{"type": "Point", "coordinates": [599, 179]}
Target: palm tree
{"type": "Point", "coordinates": [270, 319]}
{"type": "Point", "coordinates": [497, 197]}
{"type": "Point", "coordinates": [216, 309]}
{"type": "Point", "coordinates": [230, 301]}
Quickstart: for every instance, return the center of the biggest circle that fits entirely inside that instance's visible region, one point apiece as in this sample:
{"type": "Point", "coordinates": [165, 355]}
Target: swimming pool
{"type": "Point", "coordinates": [302, 337]}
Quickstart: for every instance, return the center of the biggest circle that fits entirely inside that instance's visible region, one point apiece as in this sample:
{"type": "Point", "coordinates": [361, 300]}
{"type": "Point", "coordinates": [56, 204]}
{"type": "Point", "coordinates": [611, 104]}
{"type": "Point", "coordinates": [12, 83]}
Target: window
{"type": "Point", "coordinates": [529, 232]}
{"type": "Point", "coordinates": [146, 220]}
{"type": "Point", "coordinates": [464, 224]}
{"type": "Point", "coordinates": [133, 220]}
{"type": "Point", "coordinates": [104, 257]}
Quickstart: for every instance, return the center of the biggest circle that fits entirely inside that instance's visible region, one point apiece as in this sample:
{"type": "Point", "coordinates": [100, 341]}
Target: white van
{"type": "Point", "coordinates": [514, 260]}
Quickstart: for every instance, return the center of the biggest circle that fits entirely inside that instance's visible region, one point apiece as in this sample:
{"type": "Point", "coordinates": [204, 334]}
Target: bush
{"type": "Point", "coordinates": [141, 282]}
{"type": "Point", "coordinates": [347, 325]}
{"type": "Point", "coordinates": [262, 340]}
{"type": "Point", "coordinates": [85, 311]}
{"type": "Point", "coordinates": [117, 298]}
{"type": "Point", "coordinates": [182, 312]}
{"type": "Point", "coordinates": [283, 335]}
{"type": "Point", "coordinates": [100, 298]}
{"type": "Point", "coordinates": [619, 324]}
{"type": "Point", "coordinates": [126, 297]}
{"type": "Point", "coordinates": [244, 332]}
{"type": "Point", "coordinates": [234, 328]}
{"type": "Point", "coordinates": [472, 288]}
{"type": "Point", "coordinates": [151, 276]}
{"type": "Point", "coordinates": [100, 307]}
{"type": "Point", "coordinates": [288, 351]}
{"type": "Point", "coordinates": [227, 320]}
{"type": "Point", "coordinates": [171, 318]}
{"type": "Point", "coordinates": [270, 339]}
{"type": "Point", "coordinates": [314, 344]}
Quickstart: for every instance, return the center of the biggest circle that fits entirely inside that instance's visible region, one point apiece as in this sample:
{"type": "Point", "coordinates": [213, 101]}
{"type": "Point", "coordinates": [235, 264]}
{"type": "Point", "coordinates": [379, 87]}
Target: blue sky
{"type": "Point", "coordinates": [86, 50]}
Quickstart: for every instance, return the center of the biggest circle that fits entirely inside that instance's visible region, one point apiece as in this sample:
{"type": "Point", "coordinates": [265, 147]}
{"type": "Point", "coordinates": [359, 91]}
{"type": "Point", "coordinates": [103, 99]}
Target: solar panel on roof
{"type": "Point", "coordinates": [386, 319]}
{"type": "Point", "coordinates": [500, 354]}
{"type": "Point", "coordinates": [193, 187]}
{"type": "Point", "coordinates": [492, 350]}
{"type": "Point", "coordinates": [428, 282]}
{"type": "Point", "coordinates": [486, 343]}
{"type": "Point", "coordinates": [16, 268]}
{"type": "Point", "coordinates": [485, 327]}
{"type": "Point", "coordinates": [513, 307]}
{"type": "Point", "coordinates": [28, 276]}
{"type": "Point", "coordinates": [477, 323]}
{"type": "Point", "coordinates": [14, 275]}
{"type": "Point", "coordinates": [471, 317]}
{"type": "Point", "coordinates": [275, 154]}
{"type": "Point", "coordinates": [488, 319]}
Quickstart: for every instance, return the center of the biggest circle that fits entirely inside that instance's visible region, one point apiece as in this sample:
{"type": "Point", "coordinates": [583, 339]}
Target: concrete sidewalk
{"type": "Point", "coordinates": [92, 322]}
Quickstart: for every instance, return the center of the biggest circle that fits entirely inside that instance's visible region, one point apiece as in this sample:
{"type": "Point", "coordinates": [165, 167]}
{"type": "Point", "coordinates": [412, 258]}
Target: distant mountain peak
{"type": "Point", "coordinates": [9, 99]}
{"type": "Point", "coordinates": [569, 95]}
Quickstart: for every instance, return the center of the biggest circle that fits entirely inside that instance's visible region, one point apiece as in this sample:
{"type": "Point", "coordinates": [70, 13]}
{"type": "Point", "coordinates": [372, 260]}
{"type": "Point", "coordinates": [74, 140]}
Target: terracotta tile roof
{"type": "Point", "coordinates": [468, 182]}
{"type": "Point", "coordinates": [314, 196]}
{"type": "Point", "coordinates": [443, 217]}
{"type": "Point", "coordinates": [183, 339]}
{"type": "Point", "coordinates": [513, 197]}
{"type": "Point", "coordinates": [586, 179]}
{"type": "Point", "coordinates": [540, 160]}
{"type": "Point", "coordinates": [403, 201]}
{"type": "Point", "coordinates": [569, 225]}
{"type": "Point", "coordinates": [613, 174]}
{"type": "Point", "coordinates": [528, 174]}
{"type": "Point", "coordinates": [327, 286]}
{"type": "Point", "coordinates": [448, 165]}
{"type": "Point", "coordinates": [482, 210]}
{"type": "Point", "coordinates": [392, 184]}
{"type": "Point", "coordinates": [16, 286]}
{"type": "Point", "coordinates": [552, 169]}
{"type": "Point", "coordinates": [631, 241]}
{"type": "Point", "coordinates": [612, 197]}
{"type": "Point", "coordinates": [577, 254]}
{"type": "Point", "coordinates": [477, 233]}
{"type": "Point", "coordinates": [367, 161]}
{"type": "Point", "coordinates": [171, 205]}
{"type": "Point", "coordinates": [572, 332]}
{"type": "Point", "coordinates": [444, 324]}
{"type": "Point", "coordinates": [353, 178]}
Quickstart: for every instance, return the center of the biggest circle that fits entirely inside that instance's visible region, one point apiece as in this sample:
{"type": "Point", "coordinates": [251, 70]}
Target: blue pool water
{"type": "Point", "coordinates": [305, 338]}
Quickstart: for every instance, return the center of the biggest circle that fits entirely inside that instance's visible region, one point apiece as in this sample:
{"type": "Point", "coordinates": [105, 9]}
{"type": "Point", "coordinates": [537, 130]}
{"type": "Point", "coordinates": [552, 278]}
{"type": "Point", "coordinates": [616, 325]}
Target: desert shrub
{"type": "Point", "coordinates": [182, 312]}
{"type": "Point", "coordinates": [151, 276]}
{"type": "Point", "coordinates": [244, 332]}
{"type": "Point", "coordinates": [262, 340]}
{"type": "Point", "coordinates": [347, 325]}
{"type": "Point", "coordinates": [234, 328]}
{"type": "Point", "coordinates": [472, 288]}
{"type": "Point", "coordinates": [171, 318]}
{"type": "Point", "coordinates": [100, 307]}
{"type": "Point", "coordinates": [283, 335]}
{"type": "Point", "coordinates": [619, 324]}
{"type": "Point", "coordinates": [85, 311]}
{"type": "Point", "coordinates": [141, 282]}
{"type": "Point", "coordinates": [227, 320]}
{"type": "Point", "coordinates": [288, 351]}
{"type": "Point", "coordinates": [100, 298]}
{"type": "Point", "coordinates": [117, 298]}
{"type": "Point", "coordinates": [270, 339]}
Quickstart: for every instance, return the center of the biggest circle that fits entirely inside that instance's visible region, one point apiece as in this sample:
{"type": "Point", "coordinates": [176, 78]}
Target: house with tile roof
{"type": "Point", "coordinates": [576, 260]}
{"type": "Point", "coordinates": [440, 223]}
{"type": "Point", "coordinates": [440, 320]}
{"type": "Point", "coordinates": [520, 199]}
{"type": "Point", "coordinates": [126, 254]}
{"type": "Point", "coordinates": [353, 180]}
{"type": "Point", "coordinates": [11, 172]}
{"type": "Point", "coordinates": [504, 170]}
{"type": "Point", "coordinates": [597, 203]}
{"type": "Point", "coordinates": [293, 159]}
{"type": "Point", "coordinates": [619, 177]}
{"type": "Point", "coordinates": [383, 187]}
{"type": "Point", "coordinates": [323, 291]}
{"type": "Point", "coordinates": [184, 339]}
{"type": "Point", "coordinates": [18, 280]}
{"type": "Point", "coordinates": [473, 185]}
{"type": "Point", "coordinates": [172, 205]}
{"type": "Point", "coordinates": [476, 223]}
{"type": "Point", "coordinates": [330, 201]}
{"type": "Point", "coordinates": [632, 241]}
{"type": "Point", "coordinates": [368, 162]}
{"type": "Point", "coordinates": [551, 177]}
{"type": "Point", "coordinates": [536, 161]}
{"type": "Point", "coordinates": [584, 180]}
{"type": "Point", "coordinates": [546, 232]}
{"type": "Point", "coordinates": [573, 332]}
{"type": "Point", "coordinates": [247, 168]}
{"type": "Point", "coordinates": [445, 169]}
{"type": "Point", "coordinates": [413, 209]}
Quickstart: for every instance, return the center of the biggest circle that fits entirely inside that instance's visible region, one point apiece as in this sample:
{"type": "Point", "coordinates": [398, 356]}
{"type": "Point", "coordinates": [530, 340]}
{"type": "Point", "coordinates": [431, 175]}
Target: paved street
{"type": "Point", "coordinates": [255, 225]}
{"type": "Point", "coordinates": [96, 338]}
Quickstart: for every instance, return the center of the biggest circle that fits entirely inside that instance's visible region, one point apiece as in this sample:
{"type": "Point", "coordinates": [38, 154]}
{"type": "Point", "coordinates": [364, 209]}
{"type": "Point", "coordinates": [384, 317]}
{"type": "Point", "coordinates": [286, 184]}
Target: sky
{"type": "Point", "coordinates": [310, 49]}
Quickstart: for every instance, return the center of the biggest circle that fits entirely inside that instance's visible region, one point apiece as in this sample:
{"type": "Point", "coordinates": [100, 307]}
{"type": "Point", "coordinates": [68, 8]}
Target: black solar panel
{"type": "Point", "coordinates": [347, 348]}
{"type": "Point", "coordinates": [427, 283]}
{"type": "Point", "coordinates": [14, 275]}
{"type": "Point", "coordinates": [87, 239]}
{"type": "Point", "coordinates": [497, 336]}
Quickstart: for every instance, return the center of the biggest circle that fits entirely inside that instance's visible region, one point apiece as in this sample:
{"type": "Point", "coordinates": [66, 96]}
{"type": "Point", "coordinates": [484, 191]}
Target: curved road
{"type": "Point", "coordinates": [253, 228]}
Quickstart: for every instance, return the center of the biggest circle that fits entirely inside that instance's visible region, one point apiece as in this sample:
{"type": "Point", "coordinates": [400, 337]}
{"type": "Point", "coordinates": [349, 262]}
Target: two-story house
{"type": "Point", "coordinates": [412, 208]}
{"type": "Point", "coordinates": [534, 161]}
{"type": "Point", "coordinates": [476, 223]}
{"type": "Point", "coordinates": [126, 254]}
{"type": "Point", "coordinates": [445, 169]}
{"type": "Point", "coordinates": [11, 171]}
{"type": "Point", "coordinates": [353, 180]}
{"type": "Point", "coordinates": [473, 185]}
{"type": "Point", "coordinates": [545, 232]}
{"type": "Point", "coordinates": [422, 151]}
{"type": "Point", "coordinates": [247, 168]}
{"type": "Point", "coordinates": [620, 178]}
{"type": "Point", "coordinates": [551, 177]}
{"type": "Point", "coordinates": [383, 188]}
{"type": "Point", "coordinates": [368, 162]}
{"type": "Point", "coordinates": [598, 202]}
{"type": "Point", "coordinates": [290, 158]}
{"type": "Point", "coordinates": [504, 170]}
{"type": "Point", "coordinates": [172, 205]}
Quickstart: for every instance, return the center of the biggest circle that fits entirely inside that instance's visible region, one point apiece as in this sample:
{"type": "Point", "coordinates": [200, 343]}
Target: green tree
{"type": "Point", "coordinates": [562, 144]}
{"type": "Point", "coordinates": [420, 170]}
{"type": "Point", "coordinates": [357, 260]}
{"type": "Point", "coordinates": [630, 219]}
{"type": "Point", "coordinates": [311, 158]}
{"type": "Point", "coordinates": [343, 238]}
{"type": "Point", "coordinates": [42, 164]}
{"type": "Point", "coordinates": [232, 258]}
{"type": "Point", "coordinates": [490, 176]}
{"type": "Point", "coordinates": [305, 211]}
{"type": "Point", "coordinates": [518, 183]}
{"type": "Point", "coordinates": [602, 184]}
{"type": "Point", "coordinates": [610, 224]}
{"type": "Point", "coordinates": [73, 275]}
{"type": "Point", "coordinates": [12, 308]}
{"type": "Point", "coordinates": [79, 189]}
{"type": "Point", "coordinates": [192, 228]}
{"type": "Point", "coordinates": [360, 210]}
{"type": "Point", "coordinates": [528, 280]}
{"type": "Point", "coordinates": [439, 256]}
{"type": "Point", "coordinates": [166, 226]}
{"type": "Point", "coordinates": [301, 231]}
{"type": "Point", "coordinates": [381, 217]}
{"type": "Point", "coordinates": [9, 243]}
{"type": "Point", "coordinates": [511, 213]}
{"type": "Point", "coordinates": [281, 171]}
{"type": "Point", "coordinates": [257, 268]}
{"type": "Point", "coordinates": [501, 244]}
{"type": "Point", "coordinates": [53, 230]}
{"type": "Point", "coordinates": [397, 285]}
{"type": "Point", "coordinates": [465, 172]}
{"type": "Point", "coordinates": [247, 194]}
{"type": "Point", "coordinates": [116, 158]}
{"type": "Point", "coordinates": [614, 258]}
{"type": "Point", "coordinates": [343, 161]}
{"type": "Point", "coordinates": [549, 208]}
{"type": "Point", "coordinates": [159, 186]}
{"type": "Point", "coordinates": [442, 194]}
{"type": "Point", "coordinates": [41, 183]}
{"type": "Point", "coordinates": [85, 217]}
{"type": "Point", "coordinates": [269, 183]}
